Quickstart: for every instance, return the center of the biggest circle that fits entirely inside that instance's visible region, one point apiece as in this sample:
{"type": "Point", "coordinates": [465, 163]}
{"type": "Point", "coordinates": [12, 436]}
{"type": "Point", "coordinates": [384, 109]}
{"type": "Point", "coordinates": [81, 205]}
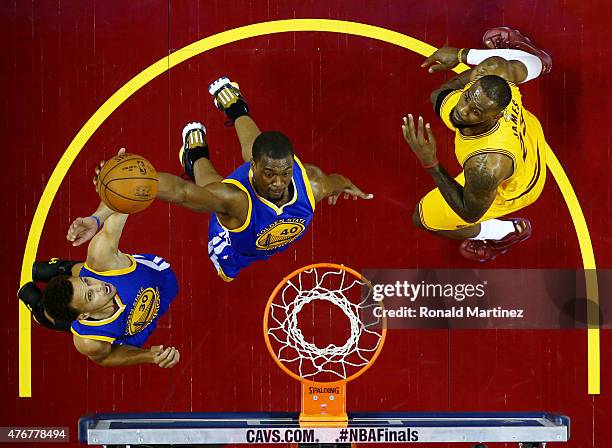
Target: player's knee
{"type": "Point", "coordinates": [416, 218]}
{"type": "Point", "coordinates": [493, 62]}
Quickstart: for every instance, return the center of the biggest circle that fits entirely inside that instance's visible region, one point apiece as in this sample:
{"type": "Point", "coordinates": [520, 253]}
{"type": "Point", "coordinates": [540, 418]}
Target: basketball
{"type": "Point", "coordinates": [127, 183]}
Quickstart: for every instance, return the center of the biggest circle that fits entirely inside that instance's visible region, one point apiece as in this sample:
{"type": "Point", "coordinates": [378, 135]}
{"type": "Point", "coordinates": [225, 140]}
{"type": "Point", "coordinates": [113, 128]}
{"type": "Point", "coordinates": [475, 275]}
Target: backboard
{"type": "Point", "coordinates": [284, 428]}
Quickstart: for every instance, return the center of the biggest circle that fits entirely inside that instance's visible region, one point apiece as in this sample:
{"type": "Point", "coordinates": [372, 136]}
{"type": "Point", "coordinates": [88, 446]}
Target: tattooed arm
{"type": "Point", "coordinates": [483, 174]}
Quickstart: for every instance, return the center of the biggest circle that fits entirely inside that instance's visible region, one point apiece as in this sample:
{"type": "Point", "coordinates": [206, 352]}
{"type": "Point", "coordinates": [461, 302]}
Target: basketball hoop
{"type": "Point", "coordinates": [308, 307]}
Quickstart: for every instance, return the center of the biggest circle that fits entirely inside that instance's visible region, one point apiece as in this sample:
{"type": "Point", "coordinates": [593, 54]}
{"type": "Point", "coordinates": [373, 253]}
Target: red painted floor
{"type": "Point", "coordinates": [340, 99]}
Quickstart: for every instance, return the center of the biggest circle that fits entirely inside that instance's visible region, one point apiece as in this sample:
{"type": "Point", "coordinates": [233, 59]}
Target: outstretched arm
{"type": "Point", "coordinates": [517, 66]}
{"type": "Point", "coordinates": [483, 173]}
{"type": "Point", "coordinates": [215, 197]}
{"type": "Point", "coordinates": [446, 58]}
{"type": "Point", "coordinates": [108, 355]}
{"type": "Point", "coordinates": [332, 185]}
{"type": "Point", "coordinates": [103, 251]}
{"type": "Point", "coordinates": [247, 131]}
{"type": "Point", "coordinates": [83, 229]}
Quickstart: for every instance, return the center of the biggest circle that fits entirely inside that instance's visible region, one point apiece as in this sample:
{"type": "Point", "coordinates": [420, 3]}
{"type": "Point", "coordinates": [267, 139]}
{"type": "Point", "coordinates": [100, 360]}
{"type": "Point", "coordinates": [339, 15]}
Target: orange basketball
{"type": "Point", "coordinates": [127, 183]}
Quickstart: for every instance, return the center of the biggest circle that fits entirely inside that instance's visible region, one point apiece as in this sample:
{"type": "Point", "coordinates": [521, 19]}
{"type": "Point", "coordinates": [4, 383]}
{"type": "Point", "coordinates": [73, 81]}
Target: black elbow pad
{"type": "Point", "coordinates": [440, 99]}
{"type": "Point", "coordinates": [44, 271]}
{"type": "Point", "coordinates": [31, 295]}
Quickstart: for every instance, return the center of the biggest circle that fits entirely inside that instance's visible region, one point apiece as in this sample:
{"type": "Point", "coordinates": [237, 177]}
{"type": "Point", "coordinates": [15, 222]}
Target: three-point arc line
{"type": "Point", "coordinates": [261, 29]}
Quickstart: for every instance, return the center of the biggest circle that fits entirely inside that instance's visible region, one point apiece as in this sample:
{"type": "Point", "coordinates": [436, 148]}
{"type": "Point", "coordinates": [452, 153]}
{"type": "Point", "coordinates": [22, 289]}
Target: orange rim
{"type": "Point", "coordinates": [267, 314]}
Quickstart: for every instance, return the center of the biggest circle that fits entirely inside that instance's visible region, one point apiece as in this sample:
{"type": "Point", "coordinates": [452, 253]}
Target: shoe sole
{"type": "Point", "coordinates": [528, 232]}
{"type": "Point", "coordinates": [192, 127]}
{"type": "Point", "coordinates": [519, 42]}
{"type": "Point", "coordinates": [181, 151]}
{"type": "Point", "coordinates": [218, 85]}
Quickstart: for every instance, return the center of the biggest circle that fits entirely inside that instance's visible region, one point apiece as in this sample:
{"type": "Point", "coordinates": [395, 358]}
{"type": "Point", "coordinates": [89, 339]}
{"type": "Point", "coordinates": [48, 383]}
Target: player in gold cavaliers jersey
{"type": "Point", "coordinates": [499, 144]}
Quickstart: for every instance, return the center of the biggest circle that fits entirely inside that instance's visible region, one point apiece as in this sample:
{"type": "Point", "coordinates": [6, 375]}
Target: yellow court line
{"type": "Point", "coordinates": [588, 261]}
{"type": "Point", "coordinates": [217, 40]}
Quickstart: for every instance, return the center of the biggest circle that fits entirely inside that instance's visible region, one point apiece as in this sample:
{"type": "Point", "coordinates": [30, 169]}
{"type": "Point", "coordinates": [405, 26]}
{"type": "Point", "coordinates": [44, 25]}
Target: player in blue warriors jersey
{"type": "Point", "coordinates": [111, 303]}
{"type": "Point", "coordinates": [263, 206]}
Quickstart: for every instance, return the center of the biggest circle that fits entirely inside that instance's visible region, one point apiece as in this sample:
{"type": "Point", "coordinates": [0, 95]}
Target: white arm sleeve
{"type": "Point", "coordinates": [532, 63]}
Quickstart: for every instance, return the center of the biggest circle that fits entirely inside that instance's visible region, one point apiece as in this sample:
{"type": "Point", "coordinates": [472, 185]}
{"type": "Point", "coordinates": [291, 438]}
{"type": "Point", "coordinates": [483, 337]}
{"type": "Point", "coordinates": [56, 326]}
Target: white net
{"type": "Point", "coordinates": [342, 290]}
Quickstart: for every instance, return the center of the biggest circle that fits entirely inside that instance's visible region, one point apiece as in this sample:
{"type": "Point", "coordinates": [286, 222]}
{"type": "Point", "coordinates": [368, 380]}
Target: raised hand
{"type": "Point", "coordinates": [82, 230]}
{"type": "Point", "coordinates": [99, 168]}
{"type": "Point", "coordinates": [445, 58]}
{"type": "Point", "coordinates": [352, 191]}
{"type": "Point", "coordinates": [423, 148]}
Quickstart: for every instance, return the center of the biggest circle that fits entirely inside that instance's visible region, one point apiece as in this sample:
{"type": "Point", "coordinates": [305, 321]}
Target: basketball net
{"type": "Point", "coordinates": [323, 369]}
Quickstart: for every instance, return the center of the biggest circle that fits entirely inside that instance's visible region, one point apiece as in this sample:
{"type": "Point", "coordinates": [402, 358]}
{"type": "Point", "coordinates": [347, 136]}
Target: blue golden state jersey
{"type": "Point", "coordinates": [144, 293]}
{"type": "Point", "coordinates": [268, 229]}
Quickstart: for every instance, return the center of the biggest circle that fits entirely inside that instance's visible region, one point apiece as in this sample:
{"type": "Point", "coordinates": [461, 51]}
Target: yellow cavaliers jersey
{"type": "Point", "coordinates": [518, 134]}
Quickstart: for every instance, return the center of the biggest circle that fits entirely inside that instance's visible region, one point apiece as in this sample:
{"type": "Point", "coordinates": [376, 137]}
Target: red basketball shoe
{"type": "Point", "coordinates": [485, 250]}
{"type": "Point", "coordinates": [504, 37]}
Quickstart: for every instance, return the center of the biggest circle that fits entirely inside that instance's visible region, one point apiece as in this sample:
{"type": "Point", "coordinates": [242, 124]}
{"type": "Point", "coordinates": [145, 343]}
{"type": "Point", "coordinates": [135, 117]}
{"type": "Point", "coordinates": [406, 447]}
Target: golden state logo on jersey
{"type": "Point", "coordinates": [145, 309]}
{"type": "Point", "coordinates": [280, 233]}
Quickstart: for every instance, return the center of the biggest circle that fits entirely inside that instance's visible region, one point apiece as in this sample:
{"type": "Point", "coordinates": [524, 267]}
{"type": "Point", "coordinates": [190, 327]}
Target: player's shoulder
{"type": "Point", "coordinates": [91, 347]}
{"type": "Point", "coordinates": [102, 262]}
{"type": "Point", "coordinates": [313, 171]}
{"type": "Point", "coordinates": [438, 97]}
{"type": "Point", "coordinates": [445, 103]}
{"type": "Point", "coordinates": [228, 189]}
{"type": "Point", "coordinates": [233, 197]}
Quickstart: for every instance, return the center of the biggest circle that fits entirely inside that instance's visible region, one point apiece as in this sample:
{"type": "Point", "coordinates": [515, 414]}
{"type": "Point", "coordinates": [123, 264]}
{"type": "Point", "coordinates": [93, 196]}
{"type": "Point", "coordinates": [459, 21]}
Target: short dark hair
{"type": "Point", "coordinates": [57, 297]}
{"type": "Point", "coordinates": [272, 144]}
{"type": "Point", "coordinates": [497, 90]}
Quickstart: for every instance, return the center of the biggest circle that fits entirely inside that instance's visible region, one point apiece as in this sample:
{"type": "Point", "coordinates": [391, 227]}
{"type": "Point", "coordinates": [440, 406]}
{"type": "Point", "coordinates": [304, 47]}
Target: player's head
{"type": "Point", "coordinates": [68, 298]}
{"type": "Point", "coordinates": [484, 101]}
{"type": "Point", "coordinates": [272, 164]}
